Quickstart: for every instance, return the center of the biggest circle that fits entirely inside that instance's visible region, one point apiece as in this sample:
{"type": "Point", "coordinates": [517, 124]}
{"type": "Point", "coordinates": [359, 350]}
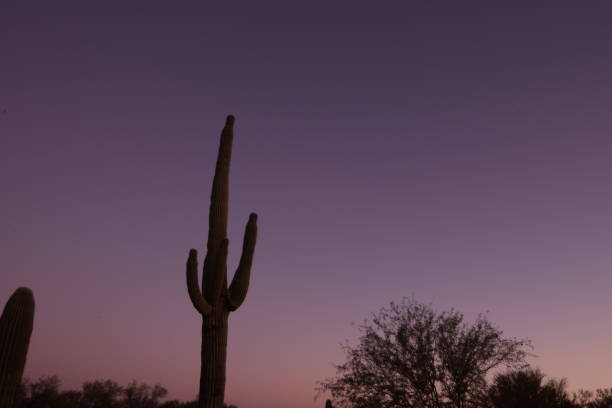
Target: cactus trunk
{"type": "Point", "coordinates": [214, 345]}
{"type": "Point", "coordinates": [15, 330]}
{"type": "Point", "coordinates": [214, 300]}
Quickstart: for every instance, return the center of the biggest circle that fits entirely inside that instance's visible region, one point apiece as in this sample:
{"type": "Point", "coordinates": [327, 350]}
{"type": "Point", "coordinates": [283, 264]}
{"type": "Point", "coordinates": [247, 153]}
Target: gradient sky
{"type": "Point", "coordinates": [457, 152]}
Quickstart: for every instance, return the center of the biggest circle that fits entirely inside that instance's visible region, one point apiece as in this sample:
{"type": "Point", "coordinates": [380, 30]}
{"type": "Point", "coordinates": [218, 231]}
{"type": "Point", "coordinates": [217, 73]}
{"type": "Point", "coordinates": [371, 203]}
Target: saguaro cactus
{"type": "Point", "coordinates": [215, 300]}
{"type": "Point", "coordinates": [15, 330]}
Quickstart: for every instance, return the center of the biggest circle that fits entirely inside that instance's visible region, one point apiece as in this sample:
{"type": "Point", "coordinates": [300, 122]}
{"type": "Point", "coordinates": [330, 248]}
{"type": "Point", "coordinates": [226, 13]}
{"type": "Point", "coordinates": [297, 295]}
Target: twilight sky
{"type": "Point", "coordinates": [457, 152]}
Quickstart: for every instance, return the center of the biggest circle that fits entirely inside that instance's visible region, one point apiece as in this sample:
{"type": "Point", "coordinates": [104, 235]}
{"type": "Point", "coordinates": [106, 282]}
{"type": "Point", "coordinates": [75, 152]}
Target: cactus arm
{"type": "Point", "coordinates": [240, 283]}
{"type": "Point", "coordinates": [214, 274]}
{"type": "Point", "coordinates": [217, 218]}
{"type": "Point", "coordinates": [220, 271]}
{"type": "Point", "coordinates": [200, 304]}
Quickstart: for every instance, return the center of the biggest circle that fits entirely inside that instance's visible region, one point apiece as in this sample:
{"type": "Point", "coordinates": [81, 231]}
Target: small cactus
{"type": "Point", "coordinates": [215, 300]}
{"type": "Point", "coordinates": [15, 330]}
{"type": "Point", "coordinates": [328, 404]}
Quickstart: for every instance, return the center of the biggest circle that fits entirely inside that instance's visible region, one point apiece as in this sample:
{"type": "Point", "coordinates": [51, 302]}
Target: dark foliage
{"type": "Point", "coordinates": [526, 389]}
{"type": "Point", "coordinates": [410, 356]}
{"type": "Point", "coordinates": [601, 398]}
{"type": "Point", "coordinates": [46, 393]}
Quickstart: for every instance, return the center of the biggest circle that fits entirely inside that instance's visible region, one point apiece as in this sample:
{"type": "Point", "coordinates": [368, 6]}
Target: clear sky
{"type": "Point", "coordinates": [457, 152]}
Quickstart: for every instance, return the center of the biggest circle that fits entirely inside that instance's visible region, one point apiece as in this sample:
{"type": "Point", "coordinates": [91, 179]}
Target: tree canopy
{"type": "Point", "coordinates": [409, 356]}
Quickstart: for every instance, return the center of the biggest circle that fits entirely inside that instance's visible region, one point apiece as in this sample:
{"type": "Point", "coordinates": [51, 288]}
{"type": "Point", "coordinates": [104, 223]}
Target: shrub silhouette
{"type": "Point", "coordinates": [45, 393]}
{"type": "Point", "coordinates": [601, 398]}
{"type": "Point", "coordinates": [215, 300]}
{"type": "Point", "coordinates": [526, 389]}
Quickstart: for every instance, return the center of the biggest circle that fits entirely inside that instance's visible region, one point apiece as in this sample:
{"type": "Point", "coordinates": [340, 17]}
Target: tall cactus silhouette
{"type": "Point", "coordinates": [15, 330]}
{"type": "Point", "coordinates": [215, 300]}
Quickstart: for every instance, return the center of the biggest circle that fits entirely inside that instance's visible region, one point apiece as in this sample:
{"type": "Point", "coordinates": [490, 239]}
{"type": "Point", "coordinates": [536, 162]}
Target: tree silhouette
{"type": "Point", "coordinates": [410, 356]}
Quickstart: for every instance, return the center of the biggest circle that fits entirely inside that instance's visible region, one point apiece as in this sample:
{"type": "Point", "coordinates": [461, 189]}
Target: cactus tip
{"type": "Point", "coordinates": [25, 291]}
{"type": "Point", "coordinates": [253, 217]}
{"type": "Point", "coordinates": [193, 253]}
{"type": "Point", "coordinates": [229, 121]}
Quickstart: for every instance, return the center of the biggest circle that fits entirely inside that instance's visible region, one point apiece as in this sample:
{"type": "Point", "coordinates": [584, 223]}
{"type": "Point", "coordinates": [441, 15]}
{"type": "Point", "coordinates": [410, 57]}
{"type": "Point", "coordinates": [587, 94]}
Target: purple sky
{"type": "Point", "coordinates": [457, 152]}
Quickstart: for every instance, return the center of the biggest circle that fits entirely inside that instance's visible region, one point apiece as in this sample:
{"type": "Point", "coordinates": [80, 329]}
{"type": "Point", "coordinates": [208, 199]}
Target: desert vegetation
{"type": "Point", "coordinates": [45, 392]}
{"type": "Point", "coordinates": [410, 356]}
{"type": "Point", "coordinates": [523, 388]}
